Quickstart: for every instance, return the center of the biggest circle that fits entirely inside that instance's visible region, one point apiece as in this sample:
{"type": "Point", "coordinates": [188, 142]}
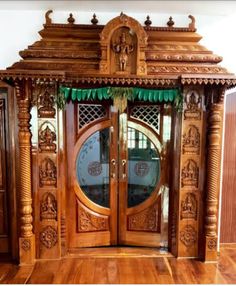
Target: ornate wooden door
{"type": "Point", "coordinates": [117, 175]}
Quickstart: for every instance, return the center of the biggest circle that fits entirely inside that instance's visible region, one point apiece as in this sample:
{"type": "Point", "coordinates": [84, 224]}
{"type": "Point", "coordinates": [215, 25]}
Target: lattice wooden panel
{"type": "Point", "coordinates": [89, 112]}
{"type": "Point", "coordinates": [147, 114]}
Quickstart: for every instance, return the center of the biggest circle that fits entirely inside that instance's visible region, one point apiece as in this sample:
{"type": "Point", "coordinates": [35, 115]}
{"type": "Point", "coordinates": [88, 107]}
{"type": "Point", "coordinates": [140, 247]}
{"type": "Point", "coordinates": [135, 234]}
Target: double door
{"type": "Point", "coordinates": [117, 174]}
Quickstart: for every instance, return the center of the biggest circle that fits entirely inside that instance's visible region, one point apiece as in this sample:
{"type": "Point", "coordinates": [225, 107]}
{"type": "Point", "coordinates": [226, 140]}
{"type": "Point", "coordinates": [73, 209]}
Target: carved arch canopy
{"type": "Point", "coordinates": [123, 44]}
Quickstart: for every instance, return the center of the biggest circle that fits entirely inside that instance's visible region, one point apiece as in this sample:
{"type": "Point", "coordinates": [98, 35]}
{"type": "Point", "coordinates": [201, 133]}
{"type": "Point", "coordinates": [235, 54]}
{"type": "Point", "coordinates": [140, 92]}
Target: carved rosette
{"type": "Point", "coordinates": [48, 236]}
{"type": "Point", "coordinates": [188, 235]}
{"type": "Point", "coordinates": [26, 244]}
{"type": "Point", "coordinates": [190, 173]}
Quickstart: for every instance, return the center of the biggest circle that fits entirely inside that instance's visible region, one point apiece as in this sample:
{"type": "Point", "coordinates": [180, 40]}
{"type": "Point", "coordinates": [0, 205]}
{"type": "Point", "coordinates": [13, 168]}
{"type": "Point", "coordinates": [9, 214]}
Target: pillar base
{"type": "Point", "coordinates": [211, 254]}
{"type": "Point", "coordinates": [27, 250]}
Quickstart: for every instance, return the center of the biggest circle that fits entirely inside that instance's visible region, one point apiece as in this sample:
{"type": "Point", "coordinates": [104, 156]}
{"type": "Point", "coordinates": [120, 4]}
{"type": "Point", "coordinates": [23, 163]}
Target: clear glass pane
{"type": "Point", "coordinates": [92, 167]}
{"type": "Point", "coordinates": [144, 167]}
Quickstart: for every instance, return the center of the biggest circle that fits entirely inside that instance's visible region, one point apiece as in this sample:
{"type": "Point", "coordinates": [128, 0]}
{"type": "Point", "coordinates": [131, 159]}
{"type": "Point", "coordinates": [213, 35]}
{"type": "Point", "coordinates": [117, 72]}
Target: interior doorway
{"type": "Point", "coordinates": [118, 173]}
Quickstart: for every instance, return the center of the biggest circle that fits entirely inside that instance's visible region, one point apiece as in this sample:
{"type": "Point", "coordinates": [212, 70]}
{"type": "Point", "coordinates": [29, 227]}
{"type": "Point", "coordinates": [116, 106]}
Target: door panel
{"type": "Point", "coordinates": [92, 180]}
{"type": "Point", "coordinates": [117, 175]}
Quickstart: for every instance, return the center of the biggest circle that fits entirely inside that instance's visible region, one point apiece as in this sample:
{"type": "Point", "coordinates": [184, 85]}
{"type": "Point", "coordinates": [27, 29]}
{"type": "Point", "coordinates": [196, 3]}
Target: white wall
{"type": "Point", "coordinates": [20, 21]}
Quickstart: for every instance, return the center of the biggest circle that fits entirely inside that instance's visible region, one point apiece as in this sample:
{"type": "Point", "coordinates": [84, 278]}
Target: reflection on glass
{"type": "Point", "coordinates": [144, 167]}
{"type": "Point", "coordinates": [92, 167]}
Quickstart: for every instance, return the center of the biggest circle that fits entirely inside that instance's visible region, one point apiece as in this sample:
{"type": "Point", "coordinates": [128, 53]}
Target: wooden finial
{"type": "Point", "coordinates": [192, 24]}
{"type": "Point", "coordinates": [148, 22]}
{"type": "Point", "coordinates": [47, 18]}
{"type": "Point", "coordinates": [71, 19]}
{"type": "Point", "coordinates": [170, 23]}
{"type": "Point", "coordinates": [94, 20]}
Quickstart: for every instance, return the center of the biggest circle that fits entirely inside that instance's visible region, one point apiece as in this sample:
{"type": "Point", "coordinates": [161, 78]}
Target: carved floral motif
{"type": "Point", "coordinates": [146, 220]}
{"type": "Point", "coordinates": [26, 245]}
{"type": "Point", "coordinates": [48, 236]}
{"type": "Point", "coordinates": [47, 173]}
{"type": "Point", "coordinates": [191, 141]}
{"type": "Point", "coordinates": [47, 137]}
{"type": "Point", "coordinates": [193, 106]}
{"type": "Point", "coordinates": [48, 207]}
{"type": "Point", "coordinates": [212, 243]}
{"type": "Point", "coordinates": [189, 206]}
{"type": "Point", "coordinates": [188, 235]}
{"type": "Point", "coordinates": [95, 168]}
{"type": "Point", "coordinates": [190, 173]}
{"type": "Point", "coordinates": [89, 221]}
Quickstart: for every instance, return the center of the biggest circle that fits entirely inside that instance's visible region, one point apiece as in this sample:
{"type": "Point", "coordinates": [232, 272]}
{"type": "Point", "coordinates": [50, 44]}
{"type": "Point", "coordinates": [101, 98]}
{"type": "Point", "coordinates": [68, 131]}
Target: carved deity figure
{"type": "Point", "coordinates": [190, 174]}
{"type": "Point", "coordinates": [191, 140]}
{"type": "Point", "coordinates": [123, 49]}
{"type": "Point", "coordinates": [188, 207]}
{"type": "Point", "coordinates": [48, 209]}
{"type": "Point", "coordinates": [193, 109]}
{"type": "Point", "coordinates": [46, 101]}
{"type": "Point", "coordinates": [46, 140]}
{"type": "Point", "coordinates": [47, 173]}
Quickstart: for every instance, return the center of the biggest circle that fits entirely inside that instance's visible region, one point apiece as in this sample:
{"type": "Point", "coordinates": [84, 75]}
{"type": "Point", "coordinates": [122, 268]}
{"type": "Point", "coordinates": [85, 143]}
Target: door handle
{"type": "Point", "coordinates": [123, 168]}
{"type": "Point", "coordinates": [113, 168]}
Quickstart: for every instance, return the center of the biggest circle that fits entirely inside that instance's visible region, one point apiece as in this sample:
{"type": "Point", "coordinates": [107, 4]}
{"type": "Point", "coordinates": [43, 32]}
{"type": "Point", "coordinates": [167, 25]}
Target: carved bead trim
{"type": "Point", "coordinates": [48, 236]}
{"type": "Point", "coordinates": [189, 207]}
{"type": "Point", "coordinates": [190, 174]}
{"type": "Point", "coordinates": [26, 245]}
{"type": "Point", "coordinates": [188, 236]}
{"type": "Point", "coordinates": [191, 140]}
{"type": "Point", "coordinates": [186, 69]}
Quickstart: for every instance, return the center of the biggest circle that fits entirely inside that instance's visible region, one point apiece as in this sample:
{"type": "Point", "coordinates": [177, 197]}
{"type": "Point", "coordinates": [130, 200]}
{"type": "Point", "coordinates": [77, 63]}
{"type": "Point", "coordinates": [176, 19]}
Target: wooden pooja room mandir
{"type": "Point", "coordinates": [112, 136]}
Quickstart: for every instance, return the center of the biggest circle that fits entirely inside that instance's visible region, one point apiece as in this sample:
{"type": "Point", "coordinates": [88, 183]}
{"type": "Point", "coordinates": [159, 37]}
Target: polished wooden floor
{"type": "Point", "coordinates": [123, 267]}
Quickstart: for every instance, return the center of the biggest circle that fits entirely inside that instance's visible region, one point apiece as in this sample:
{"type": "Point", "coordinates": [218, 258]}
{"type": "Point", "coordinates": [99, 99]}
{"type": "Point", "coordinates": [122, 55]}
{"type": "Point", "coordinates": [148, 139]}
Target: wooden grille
{"type": "Point", "coordinates": [90, 112]}
{"type": "Point", "coordinates": [147, 114]}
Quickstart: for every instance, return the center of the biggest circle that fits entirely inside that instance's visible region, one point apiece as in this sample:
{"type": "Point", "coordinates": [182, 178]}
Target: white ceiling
{"type": "Point", "coordinates": [219, 8]}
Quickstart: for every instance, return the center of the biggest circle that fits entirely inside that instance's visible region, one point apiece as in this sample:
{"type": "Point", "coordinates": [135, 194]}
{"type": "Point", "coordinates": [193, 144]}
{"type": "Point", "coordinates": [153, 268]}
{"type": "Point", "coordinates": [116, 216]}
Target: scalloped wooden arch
{"type": "Point", "coordinates": [105, 39]}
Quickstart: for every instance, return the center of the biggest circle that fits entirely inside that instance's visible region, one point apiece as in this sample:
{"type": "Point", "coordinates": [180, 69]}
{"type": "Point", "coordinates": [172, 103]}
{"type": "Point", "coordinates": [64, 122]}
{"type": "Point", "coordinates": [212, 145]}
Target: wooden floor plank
{"type": "Point", "coordinates": [123, 269]}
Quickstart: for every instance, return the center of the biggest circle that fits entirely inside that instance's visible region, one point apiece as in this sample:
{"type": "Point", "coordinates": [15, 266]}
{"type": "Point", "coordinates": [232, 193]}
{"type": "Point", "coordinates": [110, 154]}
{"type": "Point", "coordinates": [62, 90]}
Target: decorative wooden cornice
{"type": "Point", "coordinates": [228, 80]}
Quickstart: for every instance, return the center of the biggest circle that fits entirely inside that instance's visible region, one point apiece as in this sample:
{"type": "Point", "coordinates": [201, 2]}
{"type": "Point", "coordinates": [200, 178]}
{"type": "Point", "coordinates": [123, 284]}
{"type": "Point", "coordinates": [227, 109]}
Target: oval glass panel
{"type": "Point", "coordinates": [92, 167]}
{"type": "Point", "coordinates": [143, 167]}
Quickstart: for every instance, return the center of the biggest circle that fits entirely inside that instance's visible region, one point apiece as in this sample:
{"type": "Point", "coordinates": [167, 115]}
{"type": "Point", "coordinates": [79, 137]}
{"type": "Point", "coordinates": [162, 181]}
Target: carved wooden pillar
{"type": "Point", "coordinates": [215, 120]}
{"type": "Point", "coordinates": [27, 238]}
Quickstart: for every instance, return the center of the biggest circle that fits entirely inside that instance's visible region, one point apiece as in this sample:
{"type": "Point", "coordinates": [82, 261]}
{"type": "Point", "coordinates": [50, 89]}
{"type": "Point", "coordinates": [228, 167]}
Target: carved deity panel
{"type": "Point", "coordinates": [193, 106]}
{"type": "Point", "coordinates": [123, 51]}
{"type": "Point", "coordinates": [191, 140]}
{"type": "Point", "coordinates": [147, 220]}
{"type": "Point", "coordinates": [47, 137]}
{"type": "Point", "coordinates": [46, 102]}
{"type": "Point", "coordinates": [189, 207]}
{"type": "Point", "coordinates": [90, 221]}
{"type": "Point", "coordinates": [47, 173]}
{"type": "Point", "coordinates": [190, 174]}
{"type": "Point", "coordinates": [48, 207]}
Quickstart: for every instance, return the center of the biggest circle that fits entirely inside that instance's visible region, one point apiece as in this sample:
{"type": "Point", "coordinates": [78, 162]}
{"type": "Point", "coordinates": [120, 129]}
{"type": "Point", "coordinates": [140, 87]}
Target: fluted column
{"type": "Point", "coordinates": [27, 238]}
{"type": "Point", "coordinates": [215, 121]}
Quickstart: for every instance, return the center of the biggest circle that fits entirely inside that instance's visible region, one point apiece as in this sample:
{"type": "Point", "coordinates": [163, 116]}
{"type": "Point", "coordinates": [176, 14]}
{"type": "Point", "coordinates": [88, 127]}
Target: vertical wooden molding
{"type": "Point", "coordinates": [27, 238]}
{"type": "Point", "coordinates": [215, 119]}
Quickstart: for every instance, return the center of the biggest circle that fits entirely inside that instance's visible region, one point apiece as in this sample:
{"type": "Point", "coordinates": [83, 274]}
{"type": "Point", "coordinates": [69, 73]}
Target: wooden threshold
{"type": "Point", "coordinates": [118, 251]}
